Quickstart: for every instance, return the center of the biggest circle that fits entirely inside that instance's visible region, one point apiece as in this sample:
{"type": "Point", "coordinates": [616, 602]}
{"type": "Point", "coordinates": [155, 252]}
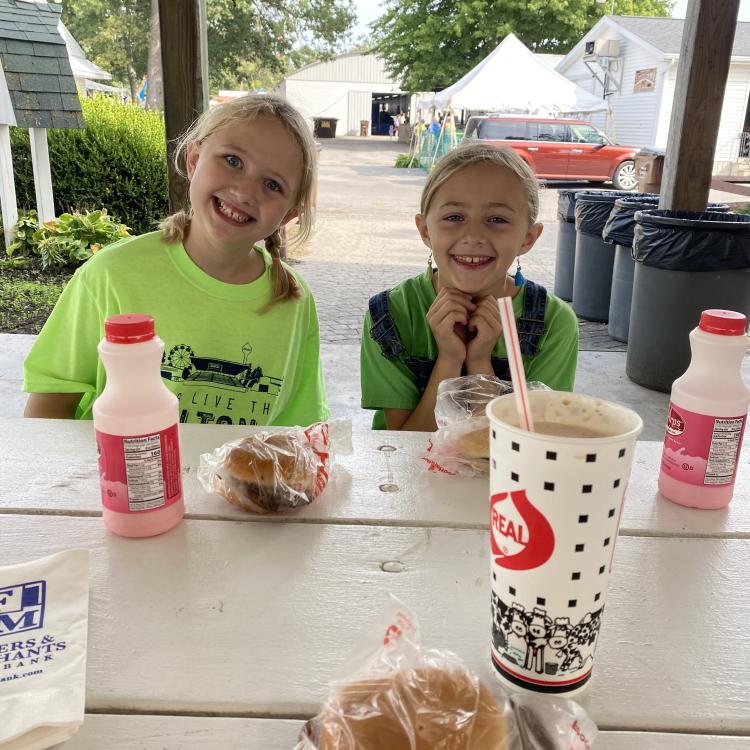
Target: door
{"type": "Point", "coordinates": [551, 148]}
{"type": "Point", "coordinates": [588, 157]}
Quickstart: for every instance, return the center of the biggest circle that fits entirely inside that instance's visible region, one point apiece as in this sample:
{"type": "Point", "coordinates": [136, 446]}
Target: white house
{"type": "Point", "coordinates": [632, 62]}
{"type": "Point", "coordinates": [352, 87]}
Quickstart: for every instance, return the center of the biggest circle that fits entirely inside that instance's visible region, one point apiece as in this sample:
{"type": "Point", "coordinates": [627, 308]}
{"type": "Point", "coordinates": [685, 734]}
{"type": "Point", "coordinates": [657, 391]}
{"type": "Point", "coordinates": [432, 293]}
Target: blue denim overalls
{"type": "Point", "coordinates": [530, 331]}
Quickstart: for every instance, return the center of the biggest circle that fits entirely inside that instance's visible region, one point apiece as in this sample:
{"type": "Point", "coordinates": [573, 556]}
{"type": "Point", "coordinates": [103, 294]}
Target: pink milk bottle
{"type": "Point", "coordinates": [707, 415]}
{"type": "Point", "coordinates": [135, 419]}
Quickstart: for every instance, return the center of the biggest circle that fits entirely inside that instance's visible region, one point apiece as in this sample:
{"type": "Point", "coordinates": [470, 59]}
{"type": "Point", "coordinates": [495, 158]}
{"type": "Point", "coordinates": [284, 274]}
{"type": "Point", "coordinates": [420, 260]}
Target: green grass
{"type": "Point", "coordinates": [27, 297]}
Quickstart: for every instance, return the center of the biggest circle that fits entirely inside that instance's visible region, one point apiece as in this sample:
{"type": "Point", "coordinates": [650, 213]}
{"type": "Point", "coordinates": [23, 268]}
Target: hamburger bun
{"type": "Point", "coordinates": [418, 709]}
{"type": "Point", "coordinates": [269, 472]}
{"type": "Point", "coordinates": [476, 443]}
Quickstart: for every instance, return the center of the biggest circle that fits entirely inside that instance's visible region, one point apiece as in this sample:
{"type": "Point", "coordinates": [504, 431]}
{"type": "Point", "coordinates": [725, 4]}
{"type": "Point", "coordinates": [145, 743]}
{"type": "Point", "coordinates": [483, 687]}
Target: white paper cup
{"type": "Point", "coordinates": [555, 506]}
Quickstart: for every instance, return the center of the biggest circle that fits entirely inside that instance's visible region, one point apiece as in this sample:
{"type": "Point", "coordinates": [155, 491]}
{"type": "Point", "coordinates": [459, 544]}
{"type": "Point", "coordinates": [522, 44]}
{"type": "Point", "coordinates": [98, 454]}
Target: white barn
{"type": "Point", "coordinates": [350, 87]}
{"type": "Point", "coordinates": [633, 60]}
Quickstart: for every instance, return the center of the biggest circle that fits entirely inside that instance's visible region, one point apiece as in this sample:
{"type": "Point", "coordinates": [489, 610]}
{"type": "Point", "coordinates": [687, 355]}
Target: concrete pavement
{"type": "Point", "coordinates": [365, 241]}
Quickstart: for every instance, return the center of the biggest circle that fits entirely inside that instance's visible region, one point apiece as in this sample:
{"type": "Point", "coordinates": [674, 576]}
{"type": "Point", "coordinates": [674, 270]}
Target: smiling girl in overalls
{"type": "Point", "coordinates": [478, 215]}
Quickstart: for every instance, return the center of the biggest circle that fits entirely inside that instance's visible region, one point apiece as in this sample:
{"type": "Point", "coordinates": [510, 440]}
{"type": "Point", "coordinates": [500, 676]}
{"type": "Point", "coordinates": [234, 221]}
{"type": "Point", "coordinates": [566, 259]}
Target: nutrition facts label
{"type": "Point", "coordinates": [725, 445]}
{"type": "Point", "coordinates": [143, 468]}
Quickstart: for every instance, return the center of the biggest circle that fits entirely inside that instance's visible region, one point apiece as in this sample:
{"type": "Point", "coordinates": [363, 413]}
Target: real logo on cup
{"type": "Point", "coordinates": [521, 538]}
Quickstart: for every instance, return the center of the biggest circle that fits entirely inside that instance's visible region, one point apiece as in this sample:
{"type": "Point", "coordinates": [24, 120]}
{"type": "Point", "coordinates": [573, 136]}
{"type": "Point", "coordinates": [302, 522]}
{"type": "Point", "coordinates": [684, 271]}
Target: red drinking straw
{"type": "Point", "coordinates": [517, 375]}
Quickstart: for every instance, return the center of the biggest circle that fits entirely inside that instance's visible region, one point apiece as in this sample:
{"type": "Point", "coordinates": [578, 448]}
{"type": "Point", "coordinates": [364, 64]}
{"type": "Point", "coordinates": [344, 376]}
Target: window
{"type": "Point", "coordinates": [548, 131]}
{"type": "Point", "coordinates": [585, 134]}
{"type": "Point", "coordinates": [502, 130]}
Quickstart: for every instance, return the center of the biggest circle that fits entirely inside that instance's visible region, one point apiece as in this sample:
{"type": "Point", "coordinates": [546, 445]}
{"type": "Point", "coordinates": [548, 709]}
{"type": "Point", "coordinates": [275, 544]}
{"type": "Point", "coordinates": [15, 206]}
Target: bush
{"type": "Point", "coordinates": [68, 240]}
{"type": "Point", "coordinates": [406, 160]}
{"type": "Point", "coordinates": [117, 161]}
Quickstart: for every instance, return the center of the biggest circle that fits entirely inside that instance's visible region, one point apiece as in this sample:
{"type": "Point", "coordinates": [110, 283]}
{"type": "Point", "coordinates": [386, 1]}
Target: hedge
{"type": "Point", "coordinates": [117, 162]}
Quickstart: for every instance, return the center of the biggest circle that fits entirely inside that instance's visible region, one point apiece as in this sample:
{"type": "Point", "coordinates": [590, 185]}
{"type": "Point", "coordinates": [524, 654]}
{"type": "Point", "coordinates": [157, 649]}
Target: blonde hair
{"type": "Point", "coordinates": [245, 108]}
{"type": "Point", "coordinates": [468, 154]}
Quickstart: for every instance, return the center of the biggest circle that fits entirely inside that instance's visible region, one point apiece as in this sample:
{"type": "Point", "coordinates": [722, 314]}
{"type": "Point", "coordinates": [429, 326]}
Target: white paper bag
{"type": "Point", "coordinates": [43, 629]}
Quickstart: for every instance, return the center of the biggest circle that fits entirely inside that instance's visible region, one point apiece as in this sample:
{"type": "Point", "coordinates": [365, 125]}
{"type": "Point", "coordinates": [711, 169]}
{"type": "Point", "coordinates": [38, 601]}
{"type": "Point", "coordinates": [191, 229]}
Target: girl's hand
{"type": "Point", "coordinates": [448, 318]}
{"type": "Point", "coordinates": [485, 324]}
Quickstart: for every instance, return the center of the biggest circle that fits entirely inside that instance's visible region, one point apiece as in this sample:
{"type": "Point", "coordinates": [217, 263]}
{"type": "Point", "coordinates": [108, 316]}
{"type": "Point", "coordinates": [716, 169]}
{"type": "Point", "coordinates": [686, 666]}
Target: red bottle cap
{"type": "Point", "coordinates": [723, 322]}
{"type": "Point", "coordinates": [129, 328]}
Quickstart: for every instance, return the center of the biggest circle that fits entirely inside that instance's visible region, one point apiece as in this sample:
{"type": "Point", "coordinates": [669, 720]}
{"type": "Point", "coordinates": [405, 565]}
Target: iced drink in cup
{"type": "Point", "coordinates": [555, 502]}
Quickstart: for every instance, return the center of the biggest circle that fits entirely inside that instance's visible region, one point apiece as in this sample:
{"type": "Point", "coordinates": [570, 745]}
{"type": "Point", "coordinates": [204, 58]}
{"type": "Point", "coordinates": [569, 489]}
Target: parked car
{"type": "Point", "coordinates": [559, 149]}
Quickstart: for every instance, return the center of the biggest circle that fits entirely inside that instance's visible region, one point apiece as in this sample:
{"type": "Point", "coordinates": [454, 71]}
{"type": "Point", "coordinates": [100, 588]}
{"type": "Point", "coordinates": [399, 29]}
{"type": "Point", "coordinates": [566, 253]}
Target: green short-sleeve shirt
{"type": "Point", "coordinates": [390, 384]}
{"type": "Point", "coordinates": [227, 358]}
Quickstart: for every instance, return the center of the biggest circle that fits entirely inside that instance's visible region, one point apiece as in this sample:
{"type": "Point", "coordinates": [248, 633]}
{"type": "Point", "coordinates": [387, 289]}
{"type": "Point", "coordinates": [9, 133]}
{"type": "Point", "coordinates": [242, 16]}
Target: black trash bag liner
{"type": "Point", "coordinates": [566, 204]}
{"type": "Point", "coordinates": [621, 222]}
{"type": "Point", "coordinates": [692, 241]}
{"type": "Point", "coordinates": [593, 207]}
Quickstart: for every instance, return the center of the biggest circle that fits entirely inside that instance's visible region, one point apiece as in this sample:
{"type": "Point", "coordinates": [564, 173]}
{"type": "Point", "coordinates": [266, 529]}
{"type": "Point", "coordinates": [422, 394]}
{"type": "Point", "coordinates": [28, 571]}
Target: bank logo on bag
{"type": "Point", "coordinates": [22, 607]}
{"type": "Point", "coordinates": [520, 536]}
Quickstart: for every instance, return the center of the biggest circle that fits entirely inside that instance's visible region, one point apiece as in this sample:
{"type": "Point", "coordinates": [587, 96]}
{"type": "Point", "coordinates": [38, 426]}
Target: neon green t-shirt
{"type": "Point", "coordinates": [390, 384]}
{"type": "Point", "coordinates": [226, 360]}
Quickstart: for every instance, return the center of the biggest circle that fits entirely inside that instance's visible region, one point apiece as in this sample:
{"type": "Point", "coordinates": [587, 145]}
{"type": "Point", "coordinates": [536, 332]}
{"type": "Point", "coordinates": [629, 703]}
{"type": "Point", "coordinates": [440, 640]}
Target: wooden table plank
{"type": "Point", "coordinates": [199, 733]}
{"type": "Point", "coordinates": [255, 618]}
{"type": "Point", "coordinates": [51, 465]}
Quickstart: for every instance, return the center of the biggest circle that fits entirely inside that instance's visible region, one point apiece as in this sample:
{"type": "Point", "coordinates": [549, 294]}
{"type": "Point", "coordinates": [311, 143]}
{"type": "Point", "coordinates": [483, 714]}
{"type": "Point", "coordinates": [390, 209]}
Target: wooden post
{"type": "Point", "coordinates": [705, 53]}
{"type": "Point", "coordinates": [182, 28]}
{"type": "Point", "coordinates": [7, 186]}
{"type": "Point", "coordinates": [45, 203]}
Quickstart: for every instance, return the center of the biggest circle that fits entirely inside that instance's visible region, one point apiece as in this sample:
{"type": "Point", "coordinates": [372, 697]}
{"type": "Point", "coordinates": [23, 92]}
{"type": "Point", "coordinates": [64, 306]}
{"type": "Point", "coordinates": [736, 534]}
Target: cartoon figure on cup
{"type": "Point", "coordinates": [536, 639]}
{"type": "Point", "coordinates": [517, 634]}
{"type": "Point", "coordinates": [562, 641]}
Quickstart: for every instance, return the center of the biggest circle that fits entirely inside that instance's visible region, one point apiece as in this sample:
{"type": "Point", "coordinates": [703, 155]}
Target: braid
{"type": "Point", "coordinates": [285, 284]}
{"type": "Point", "coordinates": [175, 226]}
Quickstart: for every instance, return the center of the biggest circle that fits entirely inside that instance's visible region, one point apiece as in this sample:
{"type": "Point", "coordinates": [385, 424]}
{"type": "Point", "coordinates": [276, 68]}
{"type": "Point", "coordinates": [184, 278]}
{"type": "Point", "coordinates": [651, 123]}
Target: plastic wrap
{"type": "Point", "coordinates": [275, 470]}
{"type": "Point", "coordinates": [461, 446]}
{"type": "Point", "coordinates": [692, 241]}
{"type": "Point", "coordinates": [395, 694]}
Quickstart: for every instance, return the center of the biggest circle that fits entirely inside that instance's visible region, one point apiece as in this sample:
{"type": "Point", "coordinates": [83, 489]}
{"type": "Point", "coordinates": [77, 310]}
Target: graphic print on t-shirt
{"type": "Point", "coordinates": [219, 390]}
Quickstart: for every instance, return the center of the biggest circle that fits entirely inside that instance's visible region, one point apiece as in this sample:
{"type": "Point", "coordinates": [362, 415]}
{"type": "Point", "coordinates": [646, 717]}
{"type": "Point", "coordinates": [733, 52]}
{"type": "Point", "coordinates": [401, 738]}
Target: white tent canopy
{"type": "Point", "coordinates": [512, 79]}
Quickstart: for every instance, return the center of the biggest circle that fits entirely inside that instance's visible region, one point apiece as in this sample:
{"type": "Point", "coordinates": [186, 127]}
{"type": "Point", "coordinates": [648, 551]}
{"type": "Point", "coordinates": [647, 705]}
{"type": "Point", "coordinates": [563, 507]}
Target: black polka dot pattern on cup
{"type": "Point", "coordinates": [606, 542]}
{"type": "Point", "coordinates": [541, 601]}
{"type": "Point", "coordinates": [572, 602]}
{"type": "Point", "coordinates": [621, 454]}
{"type": "Point", "coordinates": [549, 486]}
{"type": "Point", "coordinates": [494, 464]}
{"type": "Point", "coordinates": [583, 519]}
{"type": "Point", "coordinates": [590, 458]}
{"type": "Point", "coordinates": [597, 597]}
{"type": "Point", "coordinates": [551, 455]}
{"type": "Point", "coordinates": [611, 513]}
{"type": "Point", "coordinates": [511, 591]}
{"type": "Point", "coordinates": [602, 569]}
{"type": "Point", "coordinates": [616, 483]}
{"type": "Point", "coordinates": [579, 547]}
{"type": "Point", "coordinates": [494, 436]}
{"type": "Point", "coordinates": [514, 476]}
{"type": "Point", "coordinates": [587, 489]}
{"type": "Point", "coordinates": [576, 576]}
{"type": "Point", "coordinates": [515, 446]}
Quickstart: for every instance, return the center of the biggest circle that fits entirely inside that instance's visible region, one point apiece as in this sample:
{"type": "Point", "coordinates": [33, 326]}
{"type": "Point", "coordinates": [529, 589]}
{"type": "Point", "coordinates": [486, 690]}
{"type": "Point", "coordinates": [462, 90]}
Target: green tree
{"type": "Point", "coordinates": [430, 44]}
{"type": "Point", "coordinates": [255, 43]}
{"type": "Point", "coordinates": [114, 35]}
{"type": "Point", "coordinates": [250, 42]}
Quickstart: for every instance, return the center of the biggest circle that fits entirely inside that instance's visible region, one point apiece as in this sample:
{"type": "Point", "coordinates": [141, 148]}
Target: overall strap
{"type": "Point", "coordinates": [531, 323]}
{"type": "Point", "coordinates": [383, 330]}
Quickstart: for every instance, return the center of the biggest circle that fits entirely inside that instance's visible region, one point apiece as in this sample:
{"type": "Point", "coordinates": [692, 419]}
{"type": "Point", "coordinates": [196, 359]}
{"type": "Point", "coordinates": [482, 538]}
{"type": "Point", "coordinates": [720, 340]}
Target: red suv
{"type": "Point", "coordinates": [559, 149]}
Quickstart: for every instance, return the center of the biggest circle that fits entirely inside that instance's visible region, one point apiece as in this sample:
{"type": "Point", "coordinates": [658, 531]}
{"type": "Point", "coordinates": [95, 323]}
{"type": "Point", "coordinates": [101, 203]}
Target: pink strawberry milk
{"type": "Point", "coordinates": [707, 415]}
{"type": "Point", "coordinates": [136, 420]}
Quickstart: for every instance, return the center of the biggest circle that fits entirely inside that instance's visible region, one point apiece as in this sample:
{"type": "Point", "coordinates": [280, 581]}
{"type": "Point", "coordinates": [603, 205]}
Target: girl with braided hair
{"type": "Point", "coordinates": [213, 290]}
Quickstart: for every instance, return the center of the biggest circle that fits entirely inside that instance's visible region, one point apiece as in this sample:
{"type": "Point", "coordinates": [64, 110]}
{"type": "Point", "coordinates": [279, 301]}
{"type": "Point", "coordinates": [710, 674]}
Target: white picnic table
{"type": "Point", "coordinates": [227, 631]}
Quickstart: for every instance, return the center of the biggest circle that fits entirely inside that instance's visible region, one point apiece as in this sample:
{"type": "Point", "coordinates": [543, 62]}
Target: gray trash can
{"type": "Point", "coordinates": [592, 277]}
{"type": "Point", "coordinates": [565, 255]}
{"type": "Point", "coordinates": [686, 262]}
{"type": "Point", "coordinates": [619, 231]}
